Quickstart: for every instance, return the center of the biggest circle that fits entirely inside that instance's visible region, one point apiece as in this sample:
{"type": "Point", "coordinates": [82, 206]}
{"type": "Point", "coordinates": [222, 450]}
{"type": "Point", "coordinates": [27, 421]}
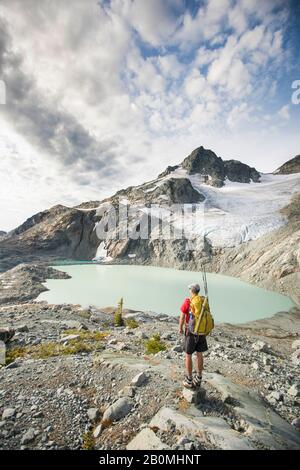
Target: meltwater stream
{"type": "Point", "coordinates": [161, 290]}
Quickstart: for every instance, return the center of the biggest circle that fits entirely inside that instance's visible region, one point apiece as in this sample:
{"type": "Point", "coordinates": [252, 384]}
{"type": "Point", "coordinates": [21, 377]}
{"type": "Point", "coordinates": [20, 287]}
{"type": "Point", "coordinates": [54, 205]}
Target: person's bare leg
{"type": "Point", "coordinates": [189, 365]}
{"type": "Point", "coordinates": [199, 363]}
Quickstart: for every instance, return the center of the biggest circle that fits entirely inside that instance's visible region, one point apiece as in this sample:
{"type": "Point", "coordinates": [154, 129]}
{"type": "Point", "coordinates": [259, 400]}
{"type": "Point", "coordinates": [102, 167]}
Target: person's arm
{"type": "Point", "coordinates": [181, 322]}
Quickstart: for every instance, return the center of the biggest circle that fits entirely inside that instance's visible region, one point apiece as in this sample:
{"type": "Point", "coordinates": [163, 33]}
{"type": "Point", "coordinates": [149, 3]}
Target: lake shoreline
{"type": "Point", "coordinates": [161, 290]}
{"type": "Point", "coordinates": [69, 365]}
{"type": "Point", "coordinates": [26, 283]}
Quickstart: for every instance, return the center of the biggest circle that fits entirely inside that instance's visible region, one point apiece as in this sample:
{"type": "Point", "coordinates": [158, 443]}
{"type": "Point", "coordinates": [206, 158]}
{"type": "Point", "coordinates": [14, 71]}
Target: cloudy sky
{"type": "Point", "coordinates": [102, 94]}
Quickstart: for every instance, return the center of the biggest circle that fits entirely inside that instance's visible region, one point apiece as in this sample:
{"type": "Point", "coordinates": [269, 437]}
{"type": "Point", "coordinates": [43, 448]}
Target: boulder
{"type": "Point", "coordinates": [139, 379]}
{"type": "Point", "coordinates": [29, 436]}
{"type": "Point", "coordinates": [93, 414]}
{"type": "Point", "coordinates": [213, 430]}
{"type": "Point", "coordinates": [296, 423]}
{"type": "Point", "coordinates": [141, 335]}
{"type": "Point", "coordinates": [275, 396]}
{"type": "Point", "coordinates": [146, 440]}
{"type": "Point", "coordinates": [294, 390]}
{"type": "Point", "coordinates": [98, 431]}
{"type": "Point", "coordinates": [296, 357]}
{"type": "Point", "coordinates": [8, 413]}
{"type": "Point", "coordinates": [102, 318]}
{"type": "Point", "coordinates": [118, 410]}
{"type": "Point", "coordinates": [260, 346]}
{"type": "Point", "coordinates": [6, 334]}
{"type": "Point", "coordinates": [167, 336]}
{"type": "Point", "coordinates": [194, 396]}
{"type": "Point", "coordinates": [188, 443]}
{"type": "Point", "coordinates": [73, 325]}
{"type": "Point", "coordinates": [127, 392]}
{"type": "Point", "coordinates": [22, 329]}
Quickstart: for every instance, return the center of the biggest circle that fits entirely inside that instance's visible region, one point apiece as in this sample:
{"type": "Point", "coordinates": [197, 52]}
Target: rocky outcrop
{"type": "Point", "coordinates": [168, 170]}
{"type": "Point", "coordinates": [206, 162]}
{"type": "Point", "coordinates": [60, 231]}
{"type": "Point", "coordinates": [24, 282]}
{"type": "Point", "coordinates": [291, 166]}
{"type": "Point", "coordinates": [239, 172]}
{"type": "Point", "coordinates": [175, 191]}
{"type": "Point", "coordinates": [168, 191]}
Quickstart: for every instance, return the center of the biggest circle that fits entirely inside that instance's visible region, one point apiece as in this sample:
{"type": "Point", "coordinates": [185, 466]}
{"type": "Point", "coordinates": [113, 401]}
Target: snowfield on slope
{"type": "Point", "coordinates": [229, 216]}
{"type": "Point", "coordinates": [239, 212]}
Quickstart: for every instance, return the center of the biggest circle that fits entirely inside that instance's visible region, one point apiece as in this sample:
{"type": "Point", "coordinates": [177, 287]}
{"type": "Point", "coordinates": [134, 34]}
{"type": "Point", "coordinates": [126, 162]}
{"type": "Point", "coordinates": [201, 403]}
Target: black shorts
{"type": "Point", "coordinates": [194, 343]}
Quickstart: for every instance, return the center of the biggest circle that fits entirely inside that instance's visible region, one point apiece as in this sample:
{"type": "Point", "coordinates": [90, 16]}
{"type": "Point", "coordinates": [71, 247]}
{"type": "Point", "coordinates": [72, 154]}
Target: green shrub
{"type": "Point", "coordinates": [118, 318]}
{"type": "Point", "coordinates": [132, 323]}
{"type": "Point", "coordinates": [154, 345]}
{"type": "Point", "coordinates": [88, 441]}
{"type": "Point", "coordinates": [14, 353]}
{"type": "Point", "coordinates": [88, 335]}
{"type": "Point", "coordinates": [88, 341]}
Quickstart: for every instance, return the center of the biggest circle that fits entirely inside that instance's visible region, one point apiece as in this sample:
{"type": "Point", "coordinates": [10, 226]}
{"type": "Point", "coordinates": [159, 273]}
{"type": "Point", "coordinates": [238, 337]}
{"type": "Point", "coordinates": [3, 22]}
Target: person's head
{"type": "Point", "coordinates": [194, 289]}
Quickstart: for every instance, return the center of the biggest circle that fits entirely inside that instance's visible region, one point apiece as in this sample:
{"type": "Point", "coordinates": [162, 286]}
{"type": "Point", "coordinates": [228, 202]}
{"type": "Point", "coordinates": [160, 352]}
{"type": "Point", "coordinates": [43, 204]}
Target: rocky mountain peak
{"type": "Point", "coordinates": [240, 172]}
{"type": "Point", "coordinates": [291, 166]}
{"type": "Point", "coordinates": [206, 162]}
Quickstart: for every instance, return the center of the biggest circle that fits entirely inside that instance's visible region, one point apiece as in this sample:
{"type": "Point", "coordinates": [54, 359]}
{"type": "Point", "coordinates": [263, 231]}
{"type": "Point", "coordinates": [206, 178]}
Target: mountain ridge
{"type": "Point", "coordinates": [289, 167]}
{"type": "Point", "coordinates": [231, 216]}
{"type": "Point", "coordinates": [206, 162]}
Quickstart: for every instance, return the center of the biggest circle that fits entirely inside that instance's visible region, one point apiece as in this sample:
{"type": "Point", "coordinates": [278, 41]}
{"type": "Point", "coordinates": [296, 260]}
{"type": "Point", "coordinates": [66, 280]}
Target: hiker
{"type": "Point", "coordinates": [190, 311]}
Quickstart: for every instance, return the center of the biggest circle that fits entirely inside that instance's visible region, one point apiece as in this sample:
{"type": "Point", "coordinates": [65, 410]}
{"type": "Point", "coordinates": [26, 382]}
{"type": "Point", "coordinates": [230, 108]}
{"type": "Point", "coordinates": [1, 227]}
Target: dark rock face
{"type": "Point", "coordinates": [170, 191]}
{"type": "Point", "coordinates": [206, 162]}
{"type": "Point", "coordinates": [292, 166]}
{"type": "Point", "coordinates": [240, 172]}
{"type": "Point", "coordinates": [178, 191]}
{"type": "Point", "coordinates": [60, 231]}
{"type": "Point", "coordinates": [37, 218]}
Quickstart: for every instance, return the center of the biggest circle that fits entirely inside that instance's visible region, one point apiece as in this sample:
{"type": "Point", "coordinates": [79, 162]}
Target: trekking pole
{"type": "Point", "coordinates": [204, 280]}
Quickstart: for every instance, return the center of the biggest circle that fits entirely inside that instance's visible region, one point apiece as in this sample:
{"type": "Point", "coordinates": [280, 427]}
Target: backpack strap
{"type": "Point", "coordinates": [201, 314]}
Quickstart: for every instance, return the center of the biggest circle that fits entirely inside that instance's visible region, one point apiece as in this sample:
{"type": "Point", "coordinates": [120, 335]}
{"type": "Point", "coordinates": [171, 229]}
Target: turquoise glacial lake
{"type": "Point", "coordinates": [161, 290]}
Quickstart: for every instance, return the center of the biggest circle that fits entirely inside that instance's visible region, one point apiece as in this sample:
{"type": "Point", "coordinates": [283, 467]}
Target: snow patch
{"type": "Point", "coordinates": [237, 212]}
{"type": "Point", "coordinates": [101, 253]}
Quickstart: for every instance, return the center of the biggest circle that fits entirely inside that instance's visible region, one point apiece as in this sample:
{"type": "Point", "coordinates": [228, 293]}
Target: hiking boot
{"type": "Point", "coordinates": [197, 380]}
{"type": "Point", "coordinates": [188, 382]}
